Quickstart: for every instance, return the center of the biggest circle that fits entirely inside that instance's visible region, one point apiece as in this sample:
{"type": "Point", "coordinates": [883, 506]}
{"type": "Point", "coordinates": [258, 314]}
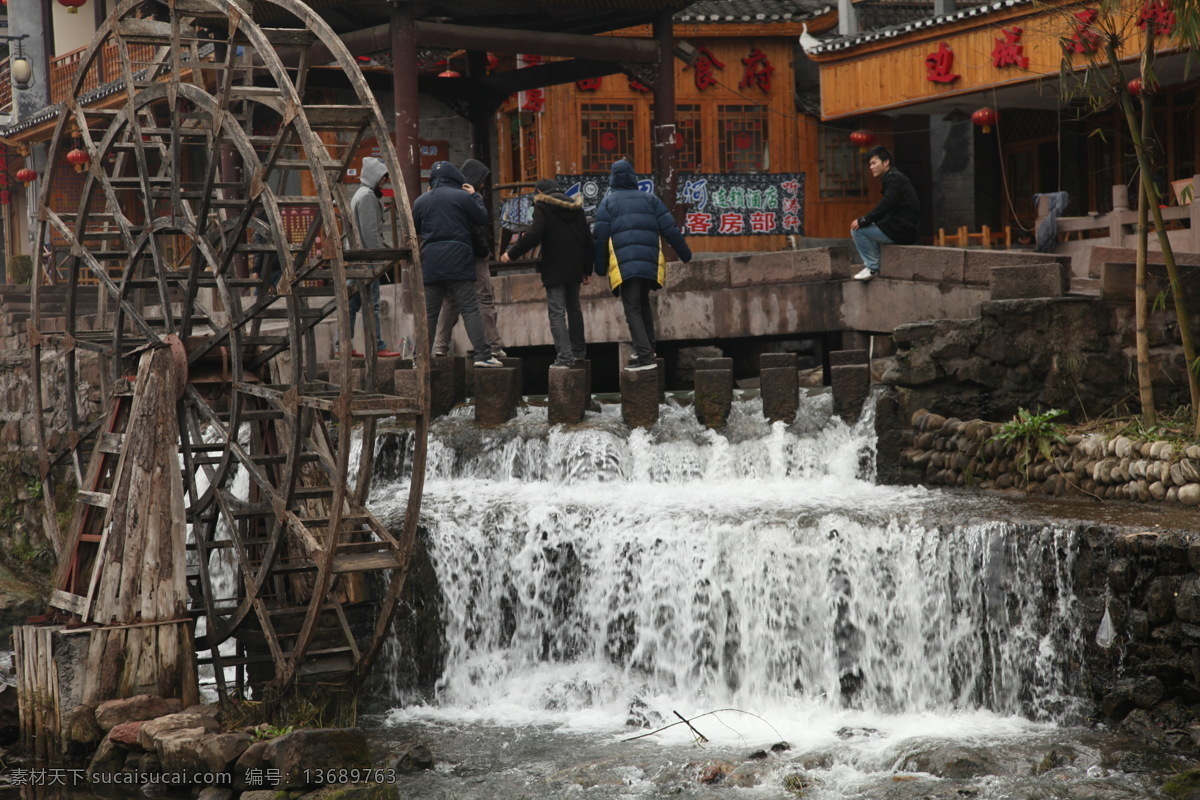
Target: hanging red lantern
{"type": "Point", "coordinates": [493, 61]}
{"type": "Point", "coordinates": [1137, 86]}
{"type": "Point", "coordinates": [985, 118]}
{"type": "Point", "coordinates": [862, 138]}
{"type": "Point", "coordinates": [79, 159]}
{"type": "Point", "coordinates": [73, 6]}
{"type": "Point", "coordinates": [26, 175]}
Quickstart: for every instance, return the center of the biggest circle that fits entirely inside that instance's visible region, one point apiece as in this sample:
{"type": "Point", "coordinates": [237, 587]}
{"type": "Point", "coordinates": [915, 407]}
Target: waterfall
{"type": "Point", "coordinates": [611, 572]}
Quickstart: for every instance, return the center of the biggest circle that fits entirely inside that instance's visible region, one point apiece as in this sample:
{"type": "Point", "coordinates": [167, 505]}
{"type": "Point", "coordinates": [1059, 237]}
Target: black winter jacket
{"type": "Point", "coordinates": [561, 228]}
{"type": "Point", "coordinates": [899, 212]}
{"type": "Point", "coordinates": [444, 217]}
{"type": "Point", "coordinates": [628, 224]}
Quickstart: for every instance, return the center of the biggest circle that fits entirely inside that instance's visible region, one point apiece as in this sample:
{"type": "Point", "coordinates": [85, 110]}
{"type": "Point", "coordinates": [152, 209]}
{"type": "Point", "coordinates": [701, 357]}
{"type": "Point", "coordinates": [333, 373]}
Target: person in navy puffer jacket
{"type": "Point", "coordinates": [628, 225]}
{"type": "Point", "coordinates": [444, 217]}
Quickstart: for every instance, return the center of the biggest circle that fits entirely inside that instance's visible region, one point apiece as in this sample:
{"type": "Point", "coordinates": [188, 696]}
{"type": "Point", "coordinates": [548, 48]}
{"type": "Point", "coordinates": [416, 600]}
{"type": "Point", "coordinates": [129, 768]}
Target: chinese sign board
{"type": "Point", "coordinates": [716, 205]}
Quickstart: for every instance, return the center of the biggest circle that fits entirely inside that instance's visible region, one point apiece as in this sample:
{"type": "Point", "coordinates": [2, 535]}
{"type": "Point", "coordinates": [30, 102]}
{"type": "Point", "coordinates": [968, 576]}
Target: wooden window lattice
{"type": "Point", "coordinates": [842, 171]}
{"type": "Point", "coordinates": [743, 143]}
{"type": "Point", "coordinates": [688, 138]}
{"type": "Point", "coordinates": [607, 134]}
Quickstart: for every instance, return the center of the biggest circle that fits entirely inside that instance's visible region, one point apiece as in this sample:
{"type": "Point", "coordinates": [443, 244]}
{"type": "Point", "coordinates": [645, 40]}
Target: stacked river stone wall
{"type": "Point", "coordinates": [952, 452]}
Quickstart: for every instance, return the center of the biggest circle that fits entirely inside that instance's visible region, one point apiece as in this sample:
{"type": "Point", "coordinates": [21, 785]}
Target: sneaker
{"type": "Point", "coordinates": [440, 354]}
{"type": "Point", "coordinates": [499, 353]}
{"type": "Point", "coordinates": [560, 364]}
{"type": "Point", "coordinates": [385, 353]}
{"type": "Point", "coordinates": [353, 354]}
{"type": "Point", "coordinates": [865, 275]}
{"type": "Point", "coordinates": [640, 364]}
{"type": "Point", "coordinates": [488, 362]}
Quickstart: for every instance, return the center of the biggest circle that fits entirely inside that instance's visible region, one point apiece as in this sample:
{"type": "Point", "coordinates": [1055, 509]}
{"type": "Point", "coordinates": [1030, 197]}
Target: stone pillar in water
{"type": "Point", "coordinates": [442, 386]}
{"type": "Point", "coordinates": [496, 395]}
{"type": "Point", "coordinates": [713, 391]}
{"type": "Point", "coordinates": [570, 391]}
{"type": "Point", "coordinates": [779, 386]}
{"type": "Point", "coordinates": [640, 393]}
{"type": "Point", "coordinates": [850, 375]}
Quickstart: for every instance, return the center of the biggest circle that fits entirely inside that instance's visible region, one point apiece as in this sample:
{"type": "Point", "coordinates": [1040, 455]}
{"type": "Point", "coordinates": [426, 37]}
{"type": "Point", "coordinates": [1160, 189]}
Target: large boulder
{"type": "Point", "coordinates": [152, 730]}
{"type": "Point", "coordinates": [132, 709]}
{"type": "Point", "coordinates": [180, 750]}
{"type": "Point", "coordinates": [127, 734]}
{"type": "Point", "coordinates": [220, 750]}
{"type": "Point", "coordinates": [304, 756]}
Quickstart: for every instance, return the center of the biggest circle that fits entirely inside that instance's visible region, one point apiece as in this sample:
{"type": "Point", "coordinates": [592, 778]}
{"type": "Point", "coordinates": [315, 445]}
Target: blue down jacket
{"type": "Point", "coordinates": [628, 225]}
{"type": "Point", "coordinates": [444, 217]}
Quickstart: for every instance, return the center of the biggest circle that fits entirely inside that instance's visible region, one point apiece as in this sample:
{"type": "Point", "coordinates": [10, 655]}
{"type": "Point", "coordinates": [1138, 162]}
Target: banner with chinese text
{"type": "Point", "coordinates": [719, 205]}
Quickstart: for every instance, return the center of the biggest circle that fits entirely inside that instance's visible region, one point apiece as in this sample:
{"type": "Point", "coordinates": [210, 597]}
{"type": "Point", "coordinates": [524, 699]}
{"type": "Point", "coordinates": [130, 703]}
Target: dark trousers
{"type": "Point", "coordinates": [635, 297]}
{"type": "Point", "coordinates": [566, 322]}
{"type": "Point", "coordinates": [463, 294]}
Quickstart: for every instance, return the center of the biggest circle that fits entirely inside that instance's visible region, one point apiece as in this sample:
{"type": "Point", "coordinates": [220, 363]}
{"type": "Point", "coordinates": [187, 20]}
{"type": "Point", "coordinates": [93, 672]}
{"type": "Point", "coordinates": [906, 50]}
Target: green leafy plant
{"type": "Point", "coordinates": [267, 731]}
{"type": "Point", "coordinates": [20, 270]}
{"type": "Point", "coordinates": [1028, 434]}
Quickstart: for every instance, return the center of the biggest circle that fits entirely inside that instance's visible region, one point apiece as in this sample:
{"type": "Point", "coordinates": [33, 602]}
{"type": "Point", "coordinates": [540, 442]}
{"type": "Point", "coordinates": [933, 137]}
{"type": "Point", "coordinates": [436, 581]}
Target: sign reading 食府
{"type": "Point", "coordinates": [719, 204]}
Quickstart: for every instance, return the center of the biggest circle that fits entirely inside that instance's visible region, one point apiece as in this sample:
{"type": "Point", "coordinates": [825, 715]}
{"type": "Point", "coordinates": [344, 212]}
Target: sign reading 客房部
{"type": "Point", "coordinates": [719, 204]}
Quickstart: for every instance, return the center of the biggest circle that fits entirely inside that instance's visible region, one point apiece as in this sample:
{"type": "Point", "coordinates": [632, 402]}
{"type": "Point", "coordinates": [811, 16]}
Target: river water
{"type": "Point", "coordinates": [827, 636]}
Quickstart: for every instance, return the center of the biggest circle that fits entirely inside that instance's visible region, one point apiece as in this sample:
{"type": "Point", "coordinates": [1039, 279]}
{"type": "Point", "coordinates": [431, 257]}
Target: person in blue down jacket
{"type": "Point", "coordinates": [628, 225]}
{"type": "Point", "coordinates": [444, 217]}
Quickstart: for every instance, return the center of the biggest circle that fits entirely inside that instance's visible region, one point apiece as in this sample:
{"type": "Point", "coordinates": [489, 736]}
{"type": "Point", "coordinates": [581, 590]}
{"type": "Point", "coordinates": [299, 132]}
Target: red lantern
{"type": "Point", "coordinates": [73, 6]}
{"type": "Point", "coordinates": [493, 61]}
{"type": "Point", "coordinates": [985, 118]}
{"type": "Point", "coordinates": [862, 138]}
{"type": "Point", "coordinates": [1137, 86]}
{"type": "Point", "coordinates": [26, 175]}
{"type": "Point", "coordinates": [78, 158]}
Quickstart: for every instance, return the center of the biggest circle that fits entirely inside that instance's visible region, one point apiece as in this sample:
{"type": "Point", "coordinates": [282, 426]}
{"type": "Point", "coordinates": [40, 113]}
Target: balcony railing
{"type": "Point", "coordinates": [6, 97]}
{"type": "Point", "coordinates": [106, 69]}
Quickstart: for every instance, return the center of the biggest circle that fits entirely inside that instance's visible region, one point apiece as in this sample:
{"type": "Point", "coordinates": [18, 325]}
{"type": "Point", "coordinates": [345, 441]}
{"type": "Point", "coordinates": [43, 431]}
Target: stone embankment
{"type": "Point", "coordinates": [953, 452]}
{"type": "Point", "coordinates": [153, 743]}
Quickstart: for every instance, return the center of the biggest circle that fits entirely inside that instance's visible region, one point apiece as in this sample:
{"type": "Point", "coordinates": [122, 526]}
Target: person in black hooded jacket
{"type": "Point", "coordinates": [444, 217]}
{"type": "Point", "coordinates": [893, 221]}
{"type": "Point", "coordinates": [482, 241]}
{"type": "Point", "coordinates": [560, 227]}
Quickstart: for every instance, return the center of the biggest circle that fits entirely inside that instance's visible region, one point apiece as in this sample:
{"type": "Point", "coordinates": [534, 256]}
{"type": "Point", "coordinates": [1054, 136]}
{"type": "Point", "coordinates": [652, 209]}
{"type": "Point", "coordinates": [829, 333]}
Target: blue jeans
{"type": "Point", "coordinates": [869, 241]}
{"type": "Point", "coordinates": [566, 322]}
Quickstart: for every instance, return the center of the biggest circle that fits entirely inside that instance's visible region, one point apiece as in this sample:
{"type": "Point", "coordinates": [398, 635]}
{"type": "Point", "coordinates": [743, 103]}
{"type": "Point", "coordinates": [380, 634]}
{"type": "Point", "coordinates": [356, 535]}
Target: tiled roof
{"type": "Point", "coordinates": [846, 42]}
{"type": "Point", "coordinates": [763, 11]}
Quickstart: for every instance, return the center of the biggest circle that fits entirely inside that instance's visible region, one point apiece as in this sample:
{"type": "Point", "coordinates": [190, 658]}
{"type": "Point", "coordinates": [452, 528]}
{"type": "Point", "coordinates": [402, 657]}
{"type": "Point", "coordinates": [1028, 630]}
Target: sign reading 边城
{"type": "Point", "coordinates": [719, 205]}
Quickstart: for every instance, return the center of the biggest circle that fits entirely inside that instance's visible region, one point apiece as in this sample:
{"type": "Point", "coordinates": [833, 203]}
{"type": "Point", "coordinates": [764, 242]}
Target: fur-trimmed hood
{"type": "Point", "coordinates": [560, 200]}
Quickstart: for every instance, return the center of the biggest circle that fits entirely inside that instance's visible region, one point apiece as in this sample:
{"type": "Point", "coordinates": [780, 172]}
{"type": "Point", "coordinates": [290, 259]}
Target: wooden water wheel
{"type": "Point", "coordinates": [203, 154]}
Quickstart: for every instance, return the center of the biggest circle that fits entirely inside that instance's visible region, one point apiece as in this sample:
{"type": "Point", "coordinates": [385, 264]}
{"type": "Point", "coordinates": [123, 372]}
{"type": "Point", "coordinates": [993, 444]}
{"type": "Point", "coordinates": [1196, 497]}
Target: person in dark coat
{"type": "Point", "coordinates": [628, 225]}
{"type": "Point", "coordinates": [444, 217]}
{"type": "Point", "coordinates": [893, 221]}
{"type": "Point", "coordinates": [561, 228]}
{"type": "Point", "coordinates": [477, 174]}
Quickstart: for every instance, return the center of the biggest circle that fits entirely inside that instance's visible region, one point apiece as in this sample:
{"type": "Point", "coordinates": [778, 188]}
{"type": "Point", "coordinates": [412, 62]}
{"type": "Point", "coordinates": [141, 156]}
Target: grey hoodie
{"type": "Point", "coordinates": [366, 205]}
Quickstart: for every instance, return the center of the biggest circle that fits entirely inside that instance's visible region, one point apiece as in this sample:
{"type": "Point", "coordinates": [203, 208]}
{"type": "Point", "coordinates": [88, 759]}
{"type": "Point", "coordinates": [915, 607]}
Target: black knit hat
{"type": "Point", "coordinates": [546, 186]}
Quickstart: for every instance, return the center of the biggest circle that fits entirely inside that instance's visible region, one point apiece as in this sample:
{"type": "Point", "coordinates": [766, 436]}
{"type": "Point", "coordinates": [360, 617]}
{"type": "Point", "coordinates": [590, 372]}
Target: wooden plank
{"type": "Point", "coordinates": [74, 603]}
{"type": "Point", "coordinates": [98, 499]}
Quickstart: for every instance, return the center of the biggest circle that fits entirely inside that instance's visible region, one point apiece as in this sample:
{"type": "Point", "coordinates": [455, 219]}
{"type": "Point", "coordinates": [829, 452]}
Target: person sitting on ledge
{"type": "Point", "coordinates": [893, 221]}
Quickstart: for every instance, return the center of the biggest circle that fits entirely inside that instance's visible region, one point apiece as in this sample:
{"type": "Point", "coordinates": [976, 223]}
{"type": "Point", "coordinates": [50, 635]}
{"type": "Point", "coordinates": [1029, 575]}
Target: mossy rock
{"type": "Point", "coordinates": [20, 270]}
{"type": "Point", "coordinates": [1184, 786]}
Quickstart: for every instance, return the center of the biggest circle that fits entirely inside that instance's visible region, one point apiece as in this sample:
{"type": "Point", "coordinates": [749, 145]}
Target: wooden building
{"type": "Point", "coordinates": [931, 75]}
{"type": "Point", "coordinates": [757, 170]}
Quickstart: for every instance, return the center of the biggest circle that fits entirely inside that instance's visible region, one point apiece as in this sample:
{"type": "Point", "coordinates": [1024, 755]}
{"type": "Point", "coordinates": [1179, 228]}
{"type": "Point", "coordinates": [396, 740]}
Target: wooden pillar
{"type": "Point", "coordinates": [405, 97]}
{"type": "Point", "coordinates": [664, 115]}
{"type": "Point", "coordinates": [480, 111]}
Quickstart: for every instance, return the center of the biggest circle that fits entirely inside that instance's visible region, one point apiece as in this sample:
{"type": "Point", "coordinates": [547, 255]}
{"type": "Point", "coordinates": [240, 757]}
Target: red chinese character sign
{"type": "Point", "coordinates": [1084, 37]}
{"type": "Point", "coordinates": [718, 204]}
{"type": "Point", "coordinates": [939, 65]}
{"type": "Point", "coordinates": [1158, 16]}
{"type": "Point", "coordinates": [757, 72]}
{"type": "Point", "coordinates": [703, 66]}
{"type": "Point", "coordinates": [589, 84]}
{"type": "Point", "coordinates": [1009, 52]}
{"type": "Point", "coordinates": [532, 99]}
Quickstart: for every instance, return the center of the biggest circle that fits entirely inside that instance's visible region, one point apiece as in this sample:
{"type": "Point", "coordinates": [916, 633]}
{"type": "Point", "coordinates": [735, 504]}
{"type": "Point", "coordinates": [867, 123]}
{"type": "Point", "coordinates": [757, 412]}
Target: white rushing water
{"type": "Point", "coordinates": [598, 580]}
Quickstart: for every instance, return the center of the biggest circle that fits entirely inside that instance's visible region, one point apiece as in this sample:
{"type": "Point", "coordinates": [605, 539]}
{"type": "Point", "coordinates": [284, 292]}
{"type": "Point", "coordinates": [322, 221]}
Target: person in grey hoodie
{"type": "Point", "coordinates": [367, 208]}
{"type": "Point", "coordinates": [444, 217]}
{"type": "Point", "coordinates": [477, 175]}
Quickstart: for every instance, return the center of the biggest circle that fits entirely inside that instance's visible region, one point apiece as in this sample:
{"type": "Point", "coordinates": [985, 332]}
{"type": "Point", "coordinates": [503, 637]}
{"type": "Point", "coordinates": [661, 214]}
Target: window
{"type": "Point", "coordinates": [842, 168]}
{"type": "Point", "coordinates": [530, 137]}
{"type": "Point", "coordinates": [687, 138]}
{"type": "Point", "coordinates": [607, 134]}
{"type": "Point", "coordinates": [743, 142]}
